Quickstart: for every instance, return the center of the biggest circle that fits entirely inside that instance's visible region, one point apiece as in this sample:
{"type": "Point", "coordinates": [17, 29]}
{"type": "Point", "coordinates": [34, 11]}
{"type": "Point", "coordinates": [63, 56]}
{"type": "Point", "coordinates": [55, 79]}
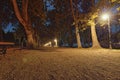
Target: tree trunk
{"type": "Point", "coordinates": [95, 42]}
{"type": "Point", "coordinates": [1, 34]}
{"type": "Point", "coordinates": [77, 36]}
{"type": "Point", "coordinates": [24, 20]}
{"type": "Point", "coordinates": [70, 37]}
{"type": "Point", "coordinates": [31, 41]}
{"type": "Point", "coordinates": [76, 26]}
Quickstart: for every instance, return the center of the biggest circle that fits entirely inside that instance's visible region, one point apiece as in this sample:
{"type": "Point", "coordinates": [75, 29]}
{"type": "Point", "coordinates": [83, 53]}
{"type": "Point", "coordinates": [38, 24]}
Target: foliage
{"type": "Point", "coordinates": [53, 18]}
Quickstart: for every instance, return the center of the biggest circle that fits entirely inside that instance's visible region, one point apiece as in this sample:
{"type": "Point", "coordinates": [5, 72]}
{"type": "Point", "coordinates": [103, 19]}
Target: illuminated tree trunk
{"type": "Point", "coordinates": [76, 26]}
{"type": "Point", "coordinates": [31, 40]}
{"type": "Point", "coordinates": [95, 42]}
{"type": "Point", "coordinates": [24, 20]}
{"type": "Point", "coordinates": [77, 36]}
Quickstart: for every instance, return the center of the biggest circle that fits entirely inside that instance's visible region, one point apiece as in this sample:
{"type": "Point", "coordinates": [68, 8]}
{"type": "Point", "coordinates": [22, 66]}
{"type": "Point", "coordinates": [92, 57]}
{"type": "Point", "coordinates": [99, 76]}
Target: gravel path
{"type": "Point", "coordinates": [60, 64]}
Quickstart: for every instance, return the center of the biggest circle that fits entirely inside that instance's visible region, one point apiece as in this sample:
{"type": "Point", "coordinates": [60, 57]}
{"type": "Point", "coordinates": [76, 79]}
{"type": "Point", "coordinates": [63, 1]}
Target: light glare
{"type": "Point", "coordinates": [105, 16]}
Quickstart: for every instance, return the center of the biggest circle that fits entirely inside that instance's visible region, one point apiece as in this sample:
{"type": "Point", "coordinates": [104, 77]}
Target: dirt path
{"type": "Point", "coordinates": [61, 64]}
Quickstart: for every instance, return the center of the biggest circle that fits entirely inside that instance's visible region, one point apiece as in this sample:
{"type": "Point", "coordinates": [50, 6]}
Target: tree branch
{"type": "Point", "coordinates": [17, 12]}
{"type": "Point", "coordinates": [25, 10]}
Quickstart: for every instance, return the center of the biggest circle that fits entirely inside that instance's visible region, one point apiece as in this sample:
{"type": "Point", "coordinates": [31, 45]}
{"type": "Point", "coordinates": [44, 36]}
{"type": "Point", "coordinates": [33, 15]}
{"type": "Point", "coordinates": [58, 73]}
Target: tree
{"type": "Point", "coordinates": [1, 34]}
{"type": "Point", "coordinates": [96, 11]}
{"type": "Point", "coordinates": [22, 14]}
{"type": "Point", "coordinates": [60, 21]}
{"type": "Point", "coordinates": [75, 15]}
{"type": "Point", "coordinates": [90, 11]}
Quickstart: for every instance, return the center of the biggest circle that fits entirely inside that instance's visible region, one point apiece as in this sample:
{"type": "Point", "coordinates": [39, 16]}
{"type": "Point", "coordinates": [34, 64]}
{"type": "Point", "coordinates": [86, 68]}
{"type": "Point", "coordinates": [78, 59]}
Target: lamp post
{"type": "Point", "coordinates": [107, 17]}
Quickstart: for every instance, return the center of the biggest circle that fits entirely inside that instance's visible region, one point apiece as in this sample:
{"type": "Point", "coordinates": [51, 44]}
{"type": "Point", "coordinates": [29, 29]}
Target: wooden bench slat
{"type": "Point", "coordinates": [4, 45]}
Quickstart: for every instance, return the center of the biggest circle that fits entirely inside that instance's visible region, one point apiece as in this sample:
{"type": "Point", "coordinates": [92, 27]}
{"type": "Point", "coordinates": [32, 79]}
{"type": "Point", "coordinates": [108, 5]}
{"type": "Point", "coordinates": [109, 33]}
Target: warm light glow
{"type": "Point", "coordinates": [105, 16]}
{"type": "Point", "coordinates": [48, 44]}
{"type": "Point", "coordinates": [55, 40]}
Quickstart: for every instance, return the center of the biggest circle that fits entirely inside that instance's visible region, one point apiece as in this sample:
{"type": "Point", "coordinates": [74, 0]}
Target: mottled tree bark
{"type": "Point", "coordinates": [23, 19]}
{"type": "Point", "coordinates": [95, 42]}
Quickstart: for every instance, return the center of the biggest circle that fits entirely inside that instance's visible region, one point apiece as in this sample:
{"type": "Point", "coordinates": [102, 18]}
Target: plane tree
{"type": "Point", "coordinates": [90, 11]}
{"type": "Point", "coordinates": [23, 10]}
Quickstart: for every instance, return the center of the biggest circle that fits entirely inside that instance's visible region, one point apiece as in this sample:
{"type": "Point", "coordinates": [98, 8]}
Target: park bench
{"type": "Point", "coordinates": [4, 46]}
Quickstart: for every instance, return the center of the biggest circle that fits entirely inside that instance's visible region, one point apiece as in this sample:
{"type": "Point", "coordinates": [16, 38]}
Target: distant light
{"type": "Point", "coordinates": [105, 16]}
{"type": "Point", "coordinates": [48, 44]}
{"type": "Point", "coordinates": [55, 40]}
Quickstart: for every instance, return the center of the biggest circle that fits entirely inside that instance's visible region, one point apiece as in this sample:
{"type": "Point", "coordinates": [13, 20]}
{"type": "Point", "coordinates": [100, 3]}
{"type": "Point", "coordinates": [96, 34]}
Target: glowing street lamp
{"type": "Point", "coordinates": [107, 17]}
